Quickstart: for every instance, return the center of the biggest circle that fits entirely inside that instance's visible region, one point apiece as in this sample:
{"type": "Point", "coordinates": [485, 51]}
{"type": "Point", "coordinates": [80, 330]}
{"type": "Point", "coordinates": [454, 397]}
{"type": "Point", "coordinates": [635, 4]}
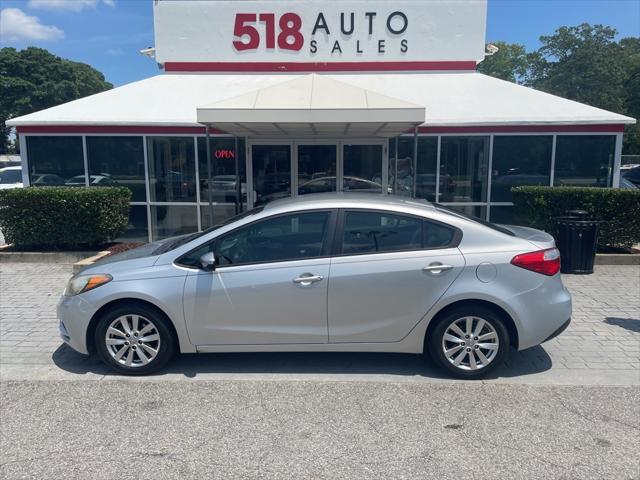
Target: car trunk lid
{"type": "Point", "coordinates": [539, 238]}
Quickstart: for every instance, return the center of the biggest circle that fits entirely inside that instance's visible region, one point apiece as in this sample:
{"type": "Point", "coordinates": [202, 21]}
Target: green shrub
{"type": "Point", "coordinates": [63, 217]}
{"type": "Point", "coordinates": [617, 209]}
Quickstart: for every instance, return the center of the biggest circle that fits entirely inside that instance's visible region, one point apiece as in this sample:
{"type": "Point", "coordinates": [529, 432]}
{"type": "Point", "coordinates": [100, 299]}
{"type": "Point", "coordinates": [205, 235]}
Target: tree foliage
{"type": "Point", "coordinates": [584, 63]}
{"type": "Point", "coordinates": [509, 63]}
{"type": "Point", "coordinates": [34, 79]}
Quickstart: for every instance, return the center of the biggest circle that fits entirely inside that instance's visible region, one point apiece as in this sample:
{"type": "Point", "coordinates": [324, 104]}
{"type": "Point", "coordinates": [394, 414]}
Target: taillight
{"type": "Point", "coordinates": [546, 262]}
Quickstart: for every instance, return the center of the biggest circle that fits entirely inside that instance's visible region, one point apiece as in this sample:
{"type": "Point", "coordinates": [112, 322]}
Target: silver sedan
{"type": "Point", "coordinates": [325, 273]}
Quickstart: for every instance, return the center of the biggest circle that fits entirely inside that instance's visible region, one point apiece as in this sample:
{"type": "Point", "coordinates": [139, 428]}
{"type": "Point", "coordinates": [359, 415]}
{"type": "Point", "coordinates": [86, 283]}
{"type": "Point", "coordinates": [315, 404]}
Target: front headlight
{"type": "Point", "coordinates": [84, 283]}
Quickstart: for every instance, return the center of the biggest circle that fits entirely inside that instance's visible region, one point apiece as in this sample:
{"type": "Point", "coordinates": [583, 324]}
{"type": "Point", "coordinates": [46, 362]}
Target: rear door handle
{"type": "Point", "coordinates": [307, 279]}
{"type": "Point", "coordinates": [437, 268]}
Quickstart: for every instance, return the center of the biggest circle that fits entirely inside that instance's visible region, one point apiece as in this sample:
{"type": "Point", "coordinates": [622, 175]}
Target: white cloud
{"type": "Point", "coordinates": [72, 5]}
{"type": "Point", "coordinates": [15, 26]}
{"type": "Point", "coordinates": [115, 51]}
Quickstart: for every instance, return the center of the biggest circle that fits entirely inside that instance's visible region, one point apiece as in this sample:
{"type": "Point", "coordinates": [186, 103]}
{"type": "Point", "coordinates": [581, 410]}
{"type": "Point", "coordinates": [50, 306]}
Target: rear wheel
{"type": "Point", "coordinates": [134, 340]}
{"type": "Point", "coordinates": [469, 342]}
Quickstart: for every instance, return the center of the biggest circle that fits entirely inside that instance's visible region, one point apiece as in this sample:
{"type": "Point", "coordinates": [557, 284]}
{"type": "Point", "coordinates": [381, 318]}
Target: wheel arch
{"type": "Point", "coordinates": [468, 303]}
{"type": "Point", "coordinates": [120, 302]}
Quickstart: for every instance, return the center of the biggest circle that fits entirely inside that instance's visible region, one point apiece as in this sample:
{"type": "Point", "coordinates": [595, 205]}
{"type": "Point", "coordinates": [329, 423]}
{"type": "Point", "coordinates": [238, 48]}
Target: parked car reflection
{"type": "Point", "coordinates": [94, 180]}
{"type": "Point", "coordinates": [46, 179]}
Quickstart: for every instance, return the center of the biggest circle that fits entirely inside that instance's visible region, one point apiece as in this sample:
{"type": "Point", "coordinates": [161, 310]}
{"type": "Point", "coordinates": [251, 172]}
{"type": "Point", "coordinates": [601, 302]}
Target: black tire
{"type": "Point", "coordinates": [434, 343]}
{"type": "Point", "coordinates": [167, 342]}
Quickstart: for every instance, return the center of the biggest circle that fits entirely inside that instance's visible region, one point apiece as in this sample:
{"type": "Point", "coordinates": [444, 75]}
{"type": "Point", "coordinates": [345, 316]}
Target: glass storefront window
{"type": "Point", "coordinates": [172, 220]}
{"type": "Point", "coordinates": [137, 230]}
{"type": "Point", "coordinates": [584, 160]}
{"type": "Point", "coordinates": [221, 212]}
{"type": "Point", "coordinates": [425, 181]}
{"type": "Point", "coordinates": [55, 160]}
{"type": "Point", "coordinates": [223, 171]}
{"type": "Point", "coordinates": [317, 168]}
{"type": "Point", "coordinates": [362, 168]}
{"type": "Point", "coordinates": [117, 161]}
{"type": "Point", "coordinates": [271, 172]}
{"type": "Point", "coordinates": [478, 211]}
{"type": "Point", "coordinates": [463, 169]}
{"type": "Point", "coordinates": [172, 169]}
{"type": "Point", "coordinates": [519, 160]}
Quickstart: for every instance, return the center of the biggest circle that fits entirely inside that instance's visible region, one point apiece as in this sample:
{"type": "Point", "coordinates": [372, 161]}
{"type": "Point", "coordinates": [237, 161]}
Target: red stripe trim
{"type": "Point", "coordinates": [316, 66]}
{"type": "Point", "coordinates": [141, 129]}
{"type": "Point", "coordinates": [156, 129]}
{"type": "Point", "coordinates": [525, 129]}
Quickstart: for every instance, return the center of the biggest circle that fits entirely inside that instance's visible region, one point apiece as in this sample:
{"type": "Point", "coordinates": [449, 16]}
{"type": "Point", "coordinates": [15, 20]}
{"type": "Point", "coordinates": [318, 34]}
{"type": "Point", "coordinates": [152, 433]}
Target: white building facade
{"type": "Point", "coordinates": [268, 99]}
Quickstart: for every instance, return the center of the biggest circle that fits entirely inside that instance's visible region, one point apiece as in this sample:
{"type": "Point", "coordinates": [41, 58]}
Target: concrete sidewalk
{"type": "Point", "coordinates": [600, 347]}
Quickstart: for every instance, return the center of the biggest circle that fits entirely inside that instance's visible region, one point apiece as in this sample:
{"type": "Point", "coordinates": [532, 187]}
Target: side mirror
{"type": "Point", "coordinates": [208, 261]}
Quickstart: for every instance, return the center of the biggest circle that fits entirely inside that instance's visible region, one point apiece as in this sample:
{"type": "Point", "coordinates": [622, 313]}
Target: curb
{"type": "Point", "coordinates": [44, 257]}
{"type": "Point", "coordinates": [617, 259]}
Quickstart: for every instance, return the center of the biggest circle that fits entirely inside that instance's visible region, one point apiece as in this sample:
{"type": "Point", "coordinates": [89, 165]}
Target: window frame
{"type": "Point", "coordinates": [337, 247]}
{"type": "Point", "coordinates": [327, 240]}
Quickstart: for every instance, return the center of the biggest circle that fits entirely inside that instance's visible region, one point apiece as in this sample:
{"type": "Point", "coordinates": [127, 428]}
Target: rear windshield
{"type": "Point", "coordinates": [493, 226]}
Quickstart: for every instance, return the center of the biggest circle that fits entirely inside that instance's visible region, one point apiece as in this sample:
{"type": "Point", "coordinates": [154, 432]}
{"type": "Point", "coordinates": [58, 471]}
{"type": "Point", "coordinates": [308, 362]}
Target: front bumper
{"type": "Point", "coordinates": [74, 314]}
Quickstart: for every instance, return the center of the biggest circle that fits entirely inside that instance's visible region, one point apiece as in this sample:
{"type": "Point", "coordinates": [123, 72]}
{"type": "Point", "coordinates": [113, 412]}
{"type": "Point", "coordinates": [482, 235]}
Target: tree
{"type": "Point", "coordinates": [509, 63]}
{"type": "Point", "coordinates": [582, 63]}
{"type": "Point", "coordinates": [34, 79]}
{"type": "Point", "coordinates": [631, 56]}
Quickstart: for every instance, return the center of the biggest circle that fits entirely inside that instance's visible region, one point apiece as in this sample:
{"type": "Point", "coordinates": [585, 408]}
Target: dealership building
{"type": "Point", "coordinates": [261, 100]}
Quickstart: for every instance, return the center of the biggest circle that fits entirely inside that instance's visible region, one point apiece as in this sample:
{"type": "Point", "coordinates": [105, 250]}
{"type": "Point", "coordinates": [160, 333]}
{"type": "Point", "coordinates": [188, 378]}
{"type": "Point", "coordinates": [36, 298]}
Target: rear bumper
{"type": "Point", "coordinates": [561, 329]}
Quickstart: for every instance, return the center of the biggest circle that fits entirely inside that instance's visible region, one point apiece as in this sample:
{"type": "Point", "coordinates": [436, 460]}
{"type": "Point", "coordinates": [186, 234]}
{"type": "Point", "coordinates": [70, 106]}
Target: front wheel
{"type": "Point", "coordinates": [134, 340]}
{"type": "Point", "coordinates": [469, 342]}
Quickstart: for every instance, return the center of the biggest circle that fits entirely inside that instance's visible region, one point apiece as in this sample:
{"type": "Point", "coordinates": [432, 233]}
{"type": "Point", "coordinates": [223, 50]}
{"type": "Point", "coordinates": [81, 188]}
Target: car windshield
{"type": "Point", "coordinates": [493, 226]}
{"type": "Point", "coordinates": [11, 176]}
{"type": "Point", "coordinates": [178, 242]}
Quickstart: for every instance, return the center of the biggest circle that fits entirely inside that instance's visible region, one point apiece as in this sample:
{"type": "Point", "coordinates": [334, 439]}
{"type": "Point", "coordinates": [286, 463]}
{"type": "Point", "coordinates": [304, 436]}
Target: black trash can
{"type": "Point", "coordinates": [577, 238]}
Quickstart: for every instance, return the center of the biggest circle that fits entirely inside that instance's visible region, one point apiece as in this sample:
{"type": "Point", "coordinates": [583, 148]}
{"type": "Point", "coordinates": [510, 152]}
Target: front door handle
{"type": "Point", "coordinates": [307, 279]}
{"type": "Point", "coordinates": [437, 268]}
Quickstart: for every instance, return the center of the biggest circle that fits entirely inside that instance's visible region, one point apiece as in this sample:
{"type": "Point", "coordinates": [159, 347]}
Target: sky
{"type": "Point", "coordinates": [108, 34]}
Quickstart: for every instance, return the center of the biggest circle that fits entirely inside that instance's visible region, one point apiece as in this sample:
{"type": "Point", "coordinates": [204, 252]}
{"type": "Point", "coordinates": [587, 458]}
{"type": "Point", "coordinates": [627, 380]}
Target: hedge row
{"type": "Point", "coordinates": [63, 217]}
{"type": "Point", "coordinates": [618, 210]}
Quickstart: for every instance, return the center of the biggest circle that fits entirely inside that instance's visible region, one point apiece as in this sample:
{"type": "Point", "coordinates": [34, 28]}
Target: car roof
{"type": "Point", "coordinates": [346, 200]}
{"type": "Point", "coordinates": [4, 169]}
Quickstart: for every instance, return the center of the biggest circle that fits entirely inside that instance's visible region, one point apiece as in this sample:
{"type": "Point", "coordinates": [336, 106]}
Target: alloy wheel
{"type": "Point", "coordinates": [470, 343]}
{"type": "Point", "coordinates": [132, 340]}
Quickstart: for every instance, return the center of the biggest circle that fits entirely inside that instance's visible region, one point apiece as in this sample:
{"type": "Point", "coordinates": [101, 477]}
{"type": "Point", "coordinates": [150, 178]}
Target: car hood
{"type": "Point", "coordinates": [142, 256]}
{"type": "Point", "coordinates": [539, 238]}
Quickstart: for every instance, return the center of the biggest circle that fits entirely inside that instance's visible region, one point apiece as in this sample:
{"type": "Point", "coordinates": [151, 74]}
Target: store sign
{"type": "Point", "coordinates": [224, 153]}
{"type": "Point", "coordinates": [222, 31]}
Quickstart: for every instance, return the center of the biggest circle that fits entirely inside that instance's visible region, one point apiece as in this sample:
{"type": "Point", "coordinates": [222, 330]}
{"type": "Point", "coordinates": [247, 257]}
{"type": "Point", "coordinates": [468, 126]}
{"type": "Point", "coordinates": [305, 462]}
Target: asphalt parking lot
{"type": "Point", "coordinates": [567, 409]}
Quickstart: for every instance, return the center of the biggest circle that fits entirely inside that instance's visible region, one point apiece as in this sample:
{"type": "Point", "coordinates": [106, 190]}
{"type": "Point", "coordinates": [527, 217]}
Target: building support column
{"type": "Point", "coordinates": [415, 159]}
{"type": "Point", "coordinates": [209, 176]}
{"type": "Point", "coordinates": [617, 161]}
{"type": "Point", "coordinates": [24, 160]}
{"type": "Point", "coordinates": [238, 184]}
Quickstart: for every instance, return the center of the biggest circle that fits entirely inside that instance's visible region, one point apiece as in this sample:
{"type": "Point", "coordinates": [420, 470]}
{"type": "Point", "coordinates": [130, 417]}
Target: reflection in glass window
{"type": "Point", "coordinates": [172, 169]}
{"type": "Point", "coordinates": [464, 164]}
{"type": "Point", "coordinates": [316, 168]}
{"type": "Point", "coordinates": [584, 160]}
{"type": "Point", "coordinates": [221, 212]}
{"type": "Point", "coordinates": [117, 161]}
{"type": "Point", "coordinates": [172, 220]}
{"type": "Point", "coordinates": [55, 160]}
{"type": "Point", "coordinates": [371, 232]}
{"type": "Point", "coordinates": [427, 160]}
{"type": "Point", "coordinates": [223, 171]}
{"type": "Point", "coordinates": [519, 160]}
{"type": "Point", "coordinates": [136, 230]}
{"type": "Point", "coordinates": [477, 211]}
{"type": "Point", "coordinates": [287, 237]}
{"type": "Point", "coordinates": [362, 168]}
{"type": "Point", "coordinates": [271, 172]}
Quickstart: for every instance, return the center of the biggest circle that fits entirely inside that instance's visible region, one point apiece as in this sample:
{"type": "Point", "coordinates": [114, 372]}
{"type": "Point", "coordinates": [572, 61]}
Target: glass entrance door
{"type": "Point", "coordinates": [271, 172]}
{"type": "Point", "coordinates": [363, 168]}
{"type": "Point", "coordinates": [317, 167]}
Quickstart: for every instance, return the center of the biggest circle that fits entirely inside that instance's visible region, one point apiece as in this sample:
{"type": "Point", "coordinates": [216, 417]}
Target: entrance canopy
{"type": "Point", "coordinates": [312, 105]}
